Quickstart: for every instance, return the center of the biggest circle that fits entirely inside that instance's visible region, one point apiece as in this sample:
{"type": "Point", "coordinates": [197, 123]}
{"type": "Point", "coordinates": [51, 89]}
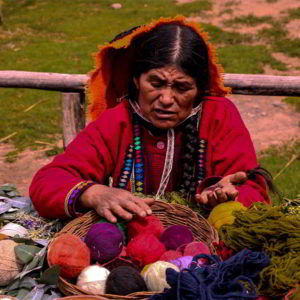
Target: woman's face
{"type": "Point", "coordinates": [166, 95]}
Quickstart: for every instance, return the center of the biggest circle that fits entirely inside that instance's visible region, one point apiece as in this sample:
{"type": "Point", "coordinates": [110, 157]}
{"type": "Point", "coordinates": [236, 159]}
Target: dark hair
{"type": "Point", "coordinates": [169, 44]}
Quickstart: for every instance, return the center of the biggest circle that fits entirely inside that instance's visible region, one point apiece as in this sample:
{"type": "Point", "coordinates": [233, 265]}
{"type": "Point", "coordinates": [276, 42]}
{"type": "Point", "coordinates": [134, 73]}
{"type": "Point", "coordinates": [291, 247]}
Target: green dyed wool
{"type": "Point", "coordinates": [263, 228]}
{"type": "Point", "coordinates": [282, 275]}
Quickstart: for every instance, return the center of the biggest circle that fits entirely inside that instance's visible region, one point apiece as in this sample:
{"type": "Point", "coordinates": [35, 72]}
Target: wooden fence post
{"type": "Point", "coordinates": [72, 115]}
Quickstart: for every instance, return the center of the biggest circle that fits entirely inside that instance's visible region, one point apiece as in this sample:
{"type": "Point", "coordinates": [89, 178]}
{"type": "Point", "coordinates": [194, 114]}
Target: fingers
{"type": "Point", "coordinates": [238, 177]}
{"type": "Point", "coordinates": [219, 195]}
{"type": "Point", "coordinates": [107, 214]}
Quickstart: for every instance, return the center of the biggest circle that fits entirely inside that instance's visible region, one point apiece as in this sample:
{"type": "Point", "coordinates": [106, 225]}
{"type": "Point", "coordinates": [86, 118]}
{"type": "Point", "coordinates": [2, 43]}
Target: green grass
{"type": "Point", "coordinates": [275, 159]}
{"type": "Point", "coordinates": [221, 37]}
{"type": "Point", "coordinates": [294, 13]}
{"type": "Point", "coordinates": [295, 102]}
{"type": "Point", "coordinates": [249, 20]}
{"type": "Point", "coordinates": [251, 61]}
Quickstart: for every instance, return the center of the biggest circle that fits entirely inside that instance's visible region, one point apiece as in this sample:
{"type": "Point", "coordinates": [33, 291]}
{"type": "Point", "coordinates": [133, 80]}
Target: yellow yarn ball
{"type": "Point", "coordinates": [10, 266]}
{"type": "Point", "coordinates": [222, 213]}
{"type": "Point", "coordinates": [155, 275]}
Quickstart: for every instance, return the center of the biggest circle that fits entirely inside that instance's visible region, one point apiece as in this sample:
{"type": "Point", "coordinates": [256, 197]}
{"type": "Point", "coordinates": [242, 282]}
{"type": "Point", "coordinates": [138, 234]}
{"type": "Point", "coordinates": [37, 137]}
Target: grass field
{"type": "Point", "coordinates": [44, 35]}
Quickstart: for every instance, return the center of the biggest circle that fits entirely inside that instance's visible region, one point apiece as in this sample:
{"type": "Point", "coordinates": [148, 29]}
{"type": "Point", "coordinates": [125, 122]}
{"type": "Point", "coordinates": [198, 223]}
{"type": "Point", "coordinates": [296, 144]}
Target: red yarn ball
{"type": "Point", "coordinates": [170, 254]}
{"type": "Point", "coordinates": [195, 248]}
{"type": "Point", "coordinates": [145, 248]}
{"type": "Point", "coordinates": [70, 253]}
{"type": "Point", "coordinates": [149, 224]}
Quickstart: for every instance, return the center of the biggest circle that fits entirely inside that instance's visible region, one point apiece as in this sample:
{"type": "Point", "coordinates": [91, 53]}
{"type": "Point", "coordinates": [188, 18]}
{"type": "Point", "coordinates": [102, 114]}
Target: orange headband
{"type": "Point", "coordinates": [109, 81]}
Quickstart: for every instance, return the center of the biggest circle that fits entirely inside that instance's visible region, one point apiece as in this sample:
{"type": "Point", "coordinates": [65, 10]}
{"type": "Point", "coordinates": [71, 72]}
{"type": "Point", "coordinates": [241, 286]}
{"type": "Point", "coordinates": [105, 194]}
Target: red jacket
{"type": "Point", "coordinates": [98, 152]}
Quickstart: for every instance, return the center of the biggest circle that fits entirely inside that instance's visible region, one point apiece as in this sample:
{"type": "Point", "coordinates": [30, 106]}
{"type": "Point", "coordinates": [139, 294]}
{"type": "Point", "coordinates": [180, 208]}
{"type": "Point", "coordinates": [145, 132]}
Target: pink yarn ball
{"type": "Point", "coordinates": [170, 254]}
{"type": "Point", "coordinates": [105, 241]}
{"type": "Point", "coordinates": [149, 224]}
{"type": "Point", "coordinates": [145, 248]}
{"type": "Point", "coordinates": [175, 236]}
{"type": "Point", "coordinates": [195, 248]}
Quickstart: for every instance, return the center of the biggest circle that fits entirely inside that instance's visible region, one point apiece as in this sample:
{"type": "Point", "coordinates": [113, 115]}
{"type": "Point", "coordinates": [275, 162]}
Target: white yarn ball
{"type": "Point", "coordinates": [155, 275]}
{"type": "Point", "coordinates": [93, 279]}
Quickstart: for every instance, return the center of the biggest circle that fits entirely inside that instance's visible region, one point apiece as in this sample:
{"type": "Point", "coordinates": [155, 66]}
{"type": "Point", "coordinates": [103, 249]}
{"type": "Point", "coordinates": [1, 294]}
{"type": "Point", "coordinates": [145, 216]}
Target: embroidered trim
{"type": "Point", "coordinates": [73, 196]}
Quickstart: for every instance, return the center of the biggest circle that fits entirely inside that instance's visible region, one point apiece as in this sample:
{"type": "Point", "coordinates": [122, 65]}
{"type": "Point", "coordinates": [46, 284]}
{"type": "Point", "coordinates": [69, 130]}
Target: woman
{"type": "Point", "coordinates": [173, 130]}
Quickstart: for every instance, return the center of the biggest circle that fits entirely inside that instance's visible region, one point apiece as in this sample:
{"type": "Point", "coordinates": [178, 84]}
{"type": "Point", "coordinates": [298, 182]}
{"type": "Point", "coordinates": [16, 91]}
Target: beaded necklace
{"type": "Point", "coordinates": [133, 167]}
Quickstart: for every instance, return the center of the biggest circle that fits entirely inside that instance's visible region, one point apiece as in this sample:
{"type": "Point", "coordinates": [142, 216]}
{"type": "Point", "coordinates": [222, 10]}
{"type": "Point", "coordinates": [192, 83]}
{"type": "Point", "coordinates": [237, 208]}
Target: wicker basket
{"type": "Point", "coordinates": [169, 214]}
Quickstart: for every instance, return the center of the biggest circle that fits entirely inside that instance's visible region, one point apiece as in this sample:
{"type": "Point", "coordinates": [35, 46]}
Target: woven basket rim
{"type": "Point", "coordinates": [168, 213]}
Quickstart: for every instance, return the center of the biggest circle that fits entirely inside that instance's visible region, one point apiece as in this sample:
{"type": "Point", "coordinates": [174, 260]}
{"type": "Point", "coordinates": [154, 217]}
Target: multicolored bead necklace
{"type": "Point", "coordinates": [134, 159]}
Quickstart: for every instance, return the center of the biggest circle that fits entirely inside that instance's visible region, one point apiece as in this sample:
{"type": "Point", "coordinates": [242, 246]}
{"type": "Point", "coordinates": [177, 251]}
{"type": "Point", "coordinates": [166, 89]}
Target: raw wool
{"type": "Point", "coordinates": [176, 236]}
{"type": "Point", "coordinates": [149, 224]}
{"type": "Point", "coordinates": [105, 241]}
{"type": "Point", "coordinates": [155, 275]}
{"type": "Point", "coordinates": [146, 248]}
{"type": "Point", "coordinates": [70, 253]}
{"type": "Point", "coordinates": [125, 280]}
{"type": "Point", "coordinates": [93, 279]}
{"type": "Point", "coordinates": [10, 266]}
{"type": "Point", "coordinates": [263, 227]}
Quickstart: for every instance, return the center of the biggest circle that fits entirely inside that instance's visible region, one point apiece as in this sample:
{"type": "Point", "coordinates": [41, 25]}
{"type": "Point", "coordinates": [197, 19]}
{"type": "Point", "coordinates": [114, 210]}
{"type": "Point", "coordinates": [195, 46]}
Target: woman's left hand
{"type": "Point", "coordinates": [224, 190]}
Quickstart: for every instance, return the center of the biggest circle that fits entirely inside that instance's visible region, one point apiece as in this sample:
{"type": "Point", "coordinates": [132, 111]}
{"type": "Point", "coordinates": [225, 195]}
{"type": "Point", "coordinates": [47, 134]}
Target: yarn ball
{"type": "Point", "coordinates": [182, 262]}
{"type": "Point", "coordinates": [93, 279]}
{"type": "Point", "coordinates": [149, 224]}
{"type": "Point", "coordinates": [121, 224]}
{"type": "Point", "coordinates": [155, 275]}
{"type": "Point", "coordinates": [146, 248]}
{"type": "Point", "coordinates": [125, 280]}
{"type": "Point", "coordinates": [195, 248]}
{"type": "Point", "coordinates": [223, 213]}
{"type": "Point", "coordinates": [170, 254]}
{"type": "Point", "coordinates": [10, 265]}
{"type": "Point", "coordinates": [175, 236]}
{"type": "Point", "coordinates": [105, 241]}
{"type": "Point", "coordinates": [70, 253]}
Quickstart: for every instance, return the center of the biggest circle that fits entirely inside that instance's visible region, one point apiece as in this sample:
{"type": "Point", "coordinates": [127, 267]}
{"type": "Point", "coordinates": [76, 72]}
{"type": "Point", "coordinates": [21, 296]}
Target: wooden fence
{"type": "Point", "coordinates": [73, 88]}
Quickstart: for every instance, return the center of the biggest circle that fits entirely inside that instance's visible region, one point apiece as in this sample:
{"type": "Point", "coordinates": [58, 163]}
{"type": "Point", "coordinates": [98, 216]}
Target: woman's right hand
{"type": "Point", "coordinates": [111, 202]}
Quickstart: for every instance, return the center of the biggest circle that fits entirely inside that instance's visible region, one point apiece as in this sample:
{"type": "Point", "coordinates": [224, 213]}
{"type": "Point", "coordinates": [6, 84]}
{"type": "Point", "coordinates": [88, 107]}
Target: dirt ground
{"type": "Point", "coordinates": [270, 121]}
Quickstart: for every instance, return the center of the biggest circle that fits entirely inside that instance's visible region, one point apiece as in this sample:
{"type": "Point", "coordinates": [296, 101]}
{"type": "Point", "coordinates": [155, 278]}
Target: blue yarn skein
{"type": "Point", "coordinates": [217, 280]}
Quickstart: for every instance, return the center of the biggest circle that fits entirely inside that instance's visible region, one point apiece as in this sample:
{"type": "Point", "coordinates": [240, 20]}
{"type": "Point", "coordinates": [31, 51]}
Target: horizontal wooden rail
{"type": "Point", "coordinates": [240, 83]}
{"type": "Point", "coordinates": [43, 81]}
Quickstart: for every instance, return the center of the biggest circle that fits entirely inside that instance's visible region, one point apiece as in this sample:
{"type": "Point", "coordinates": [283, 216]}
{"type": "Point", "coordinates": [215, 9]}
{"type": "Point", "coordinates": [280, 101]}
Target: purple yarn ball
{"type": "Point", "coordinates": [105, 241]}
{"type": "Point", "coordinates": [182, 262]}
{"type": "Point", "coordinates": [175, 236]}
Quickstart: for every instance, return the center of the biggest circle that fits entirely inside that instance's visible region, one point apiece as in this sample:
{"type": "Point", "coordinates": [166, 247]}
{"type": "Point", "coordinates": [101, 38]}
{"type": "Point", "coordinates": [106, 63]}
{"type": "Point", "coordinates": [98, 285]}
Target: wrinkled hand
{"type": "Point", "coordinates": [222, 191]}
{"type": "Point", "coordinates": [110, 202]}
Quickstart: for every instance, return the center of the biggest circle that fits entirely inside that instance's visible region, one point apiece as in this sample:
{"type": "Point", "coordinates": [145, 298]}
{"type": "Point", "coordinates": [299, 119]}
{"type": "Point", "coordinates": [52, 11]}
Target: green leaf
{"type": "Point", "coordinates": [50, 276]}
{"type": "Point", "coordinates": [26, 252]}
{"type": "Point", "coordinates": [35, 264]}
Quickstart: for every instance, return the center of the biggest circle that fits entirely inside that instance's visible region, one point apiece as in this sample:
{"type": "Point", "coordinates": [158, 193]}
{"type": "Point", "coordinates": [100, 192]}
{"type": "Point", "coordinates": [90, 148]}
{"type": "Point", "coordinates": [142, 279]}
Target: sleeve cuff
{"type": "Point", "coordinates": [73, 196]}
